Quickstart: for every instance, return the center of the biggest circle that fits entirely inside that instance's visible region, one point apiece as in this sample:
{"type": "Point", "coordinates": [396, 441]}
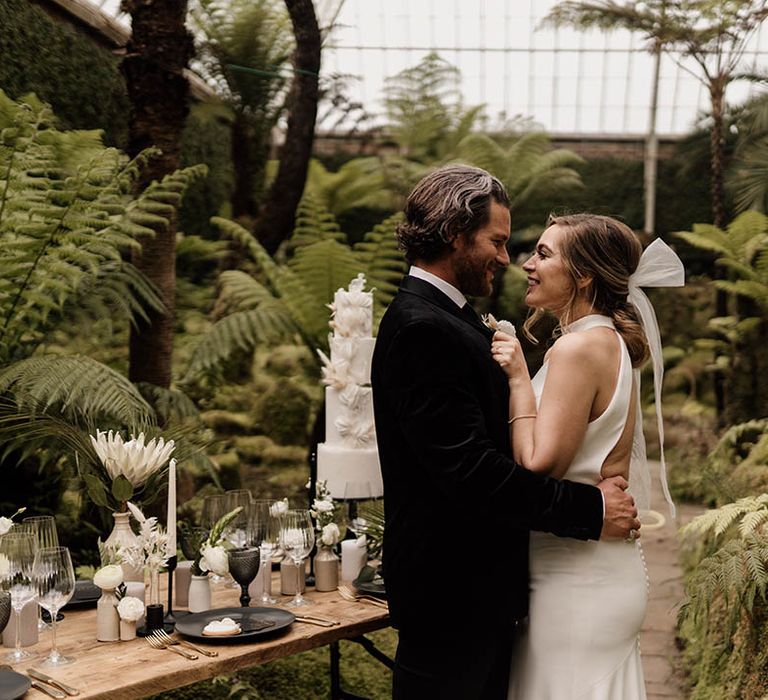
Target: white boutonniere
{"type": "Point", "coordinates": [503, 325]}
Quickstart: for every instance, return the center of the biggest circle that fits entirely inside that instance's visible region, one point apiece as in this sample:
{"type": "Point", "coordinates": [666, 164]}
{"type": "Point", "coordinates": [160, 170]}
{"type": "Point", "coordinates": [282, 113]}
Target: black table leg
{"type": "Point", "coordinates": [337, 692]}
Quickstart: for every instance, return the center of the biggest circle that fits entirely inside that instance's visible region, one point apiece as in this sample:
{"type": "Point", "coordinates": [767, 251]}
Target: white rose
{"type": "Point", "coordinates": [130, 609]}
{"type": "Point", "coordinates": [330, 535]}
{"type": "Point", "coordinates": [278, 508]}
{"type": "Point", "coordinates": [324, 506]}
{"type": "Point", "coordinates": [214, 559]}
{"type": "Point", "coordinates": [108, 577]}
{"type": "Point", "coordinates": [5, 525]}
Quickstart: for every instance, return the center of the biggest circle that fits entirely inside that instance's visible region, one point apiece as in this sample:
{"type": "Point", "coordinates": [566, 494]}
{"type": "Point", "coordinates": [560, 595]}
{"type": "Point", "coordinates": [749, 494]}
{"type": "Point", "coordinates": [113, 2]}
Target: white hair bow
{"type": "Point", "coordinates": [659, 267]}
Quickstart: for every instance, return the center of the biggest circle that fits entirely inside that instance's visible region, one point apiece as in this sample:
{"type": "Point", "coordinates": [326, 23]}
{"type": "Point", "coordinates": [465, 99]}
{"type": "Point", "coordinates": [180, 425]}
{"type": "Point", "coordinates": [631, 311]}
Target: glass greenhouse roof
{"type": "Point", "coordinates": [567, 81]}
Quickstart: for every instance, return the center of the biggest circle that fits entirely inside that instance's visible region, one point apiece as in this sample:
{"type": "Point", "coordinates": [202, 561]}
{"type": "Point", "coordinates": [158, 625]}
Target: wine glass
{"type": "Point", "coordinates": [357, 496]}
{"type": "Point", "coordinates": [268, 541]}
{"type": "Point", "coordinates": [297, 537]}
{"type": "Point", "coordinates": [244, 565]}
{"type": "Point", "coordinates": [213, 510]}
{"type": "Point", "coordinates": [54, 580]}
{"type": "Point", "coordinates": [44, 529]}
{"type": "Point", "coordinates": [17, 554]}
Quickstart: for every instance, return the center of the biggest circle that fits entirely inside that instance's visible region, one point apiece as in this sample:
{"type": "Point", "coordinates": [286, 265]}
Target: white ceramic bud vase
{"type": "Point", "coordinates": [107, 619]}
{"type": "Point", "coordinates": [199, 594]}
{"type": "Point", "coordinates": [124, 536]}
{"type": "Point", "coordinates": [326, 569]}
{"type": "Point", "coordinates": [127, 630]}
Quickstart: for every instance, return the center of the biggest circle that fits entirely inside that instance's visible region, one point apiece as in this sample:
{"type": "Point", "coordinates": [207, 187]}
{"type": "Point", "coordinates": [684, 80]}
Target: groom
{"type": "Point", "coordinates": [458, 508]}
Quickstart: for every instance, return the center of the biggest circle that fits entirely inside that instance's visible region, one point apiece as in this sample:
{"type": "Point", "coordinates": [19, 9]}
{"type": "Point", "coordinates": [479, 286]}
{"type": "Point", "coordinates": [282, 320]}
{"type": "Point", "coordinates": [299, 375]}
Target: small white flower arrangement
{"type": "Point", "coordinates": [108, 577]}
{"type": "Point", "coordinates": [212, 554]}
{"type": "Point", "coordinates": [151, 549]}
{"type": "Point", "coordinates": [325, 511]}
{"type": "Point", "coordinates": [130, 609]}
{"type": "Point", "coordinates": [7, 523]}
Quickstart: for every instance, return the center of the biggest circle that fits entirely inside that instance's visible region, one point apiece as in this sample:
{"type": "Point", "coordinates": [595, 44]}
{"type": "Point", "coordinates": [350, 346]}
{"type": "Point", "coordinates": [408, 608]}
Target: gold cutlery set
{"type": "Point", "coordinates": [46, 684]}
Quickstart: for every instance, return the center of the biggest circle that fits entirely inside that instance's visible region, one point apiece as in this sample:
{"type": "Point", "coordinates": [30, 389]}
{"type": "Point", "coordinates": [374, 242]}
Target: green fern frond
{"type": "Point", "coordinates": [383, 262]}
{"type": "Point", "coordinates": [271, 322]}
{"type": "Point", "coordinates": [78, 387]}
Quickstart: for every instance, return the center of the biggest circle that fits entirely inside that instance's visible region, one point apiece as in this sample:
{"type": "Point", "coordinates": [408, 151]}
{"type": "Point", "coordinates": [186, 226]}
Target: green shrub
{"type": "Point", "coordinates": [79, 78]}
{"type": "Point", "coordinates": [284, 412]}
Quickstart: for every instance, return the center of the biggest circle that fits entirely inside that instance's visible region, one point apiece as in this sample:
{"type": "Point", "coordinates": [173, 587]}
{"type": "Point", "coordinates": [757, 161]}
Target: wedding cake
{"type": "Point", "coordinates": [349, 452]}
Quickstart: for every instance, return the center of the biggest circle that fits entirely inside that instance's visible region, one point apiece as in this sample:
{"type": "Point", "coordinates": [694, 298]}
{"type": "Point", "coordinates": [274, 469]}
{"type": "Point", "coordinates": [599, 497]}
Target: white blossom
{"type": "Point", "coordinates": [323, 506]}
{"type": "Point", "coordinates": [331, 534]}
{"type": "Point", "coordinates": [278, 508]}
{"type": "Point", "coordinates": [133, 459]}
{"type": "Point", "coordinates": [5, 525]}
{"type": "Point", "coordinates": [151, 549]}
{"type": "Point", "coordinates": [130, 609]}
{"type": "Point", "coordinates": [214, 559]}
{"type": "Point", "coordinates": [108, 577]}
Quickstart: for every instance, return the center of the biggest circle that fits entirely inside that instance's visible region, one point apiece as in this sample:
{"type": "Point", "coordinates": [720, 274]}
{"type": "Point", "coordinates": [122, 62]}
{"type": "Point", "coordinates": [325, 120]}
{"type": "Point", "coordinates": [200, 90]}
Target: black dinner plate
{"type": "Point", "coordinates": [191, 626]}
{"type": "Point", "coordinates": [13, 685]}
{"type": "Point", "coordinates": [371, 588]}
{"type": "Point", "coordinates": [86, 593]}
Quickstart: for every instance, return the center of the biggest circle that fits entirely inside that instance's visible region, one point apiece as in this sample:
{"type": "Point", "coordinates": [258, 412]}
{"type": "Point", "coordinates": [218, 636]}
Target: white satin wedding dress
{"type": "Point", "coordinates": [588, 599]}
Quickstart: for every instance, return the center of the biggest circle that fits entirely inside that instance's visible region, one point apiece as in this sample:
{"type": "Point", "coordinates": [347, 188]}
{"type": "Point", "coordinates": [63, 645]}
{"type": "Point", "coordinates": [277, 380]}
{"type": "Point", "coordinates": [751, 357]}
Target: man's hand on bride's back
{"type": "Point", "coordinates": [620, 512]}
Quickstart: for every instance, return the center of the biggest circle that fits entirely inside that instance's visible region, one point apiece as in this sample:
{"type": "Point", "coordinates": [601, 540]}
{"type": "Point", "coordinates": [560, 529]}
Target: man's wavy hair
{"type": "Point", "coordinates": [452, 200]}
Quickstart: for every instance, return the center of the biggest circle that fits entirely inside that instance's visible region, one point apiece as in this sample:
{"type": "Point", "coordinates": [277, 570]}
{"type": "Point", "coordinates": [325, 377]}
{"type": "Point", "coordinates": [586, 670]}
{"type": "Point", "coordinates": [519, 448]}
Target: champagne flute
{"type": "Point", "coordinates": [297, 537]}
{"type": "Point", "coordinates": [44, 529]}
{"type": "Point", "coordinates": [268, 541]}
{"type": "Point", "coordinates": [17, 554]}
{"type": "Point", "coordinates": [54, 580]}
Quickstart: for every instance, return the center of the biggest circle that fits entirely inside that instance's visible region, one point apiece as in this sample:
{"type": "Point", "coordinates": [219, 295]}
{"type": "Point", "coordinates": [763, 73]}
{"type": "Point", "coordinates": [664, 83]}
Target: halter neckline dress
{"type": "Point", "coordinates": [588, 599]}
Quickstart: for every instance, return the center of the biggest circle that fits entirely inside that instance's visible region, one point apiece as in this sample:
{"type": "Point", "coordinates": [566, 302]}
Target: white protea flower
{"type": "Point", "coordinates": [133, 459]}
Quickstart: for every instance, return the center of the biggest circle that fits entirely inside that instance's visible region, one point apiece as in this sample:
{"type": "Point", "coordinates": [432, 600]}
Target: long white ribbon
{"type": "Point", "coordinates": [659, 267]}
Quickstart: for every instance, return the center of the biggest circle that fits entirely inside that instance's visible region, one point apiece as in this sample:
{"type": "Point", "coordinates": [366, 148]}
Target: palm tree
{"type": "Point", "coordinates": [747, 178]}
{"type": "Point", "coordinates": [157, 54]}
{"type": "Point", "coordinates": [712, 34]}
{"type": "Point", "coordinates": [243, 48]}
{"type": "Point", "coordinates": [276, 218]}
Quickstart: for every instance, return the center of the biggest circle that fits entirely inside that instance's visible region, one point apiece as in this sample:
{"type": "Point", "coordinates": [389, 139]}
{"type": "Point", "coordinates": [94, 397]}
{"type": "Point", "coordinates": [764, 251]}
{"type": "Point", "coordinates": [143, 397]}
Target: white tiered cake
{"type": "Point", "coordinates": [349, 452]}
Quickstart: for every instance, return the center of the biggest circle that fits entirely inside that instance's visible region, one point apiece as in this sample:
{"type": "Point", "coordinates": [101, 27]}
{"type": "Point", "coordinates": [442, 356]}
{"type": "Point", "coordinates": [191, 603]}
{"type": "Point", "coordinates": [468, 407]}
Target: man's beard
{"type": "Point", "coordinates": [471, 277]}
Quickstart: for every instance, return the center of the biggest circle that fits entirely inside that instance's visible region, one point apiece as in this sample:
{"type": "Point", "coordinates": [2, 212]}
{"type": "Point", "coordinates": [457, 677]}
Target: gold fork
{"type": "Point", "coordinates": [163, 636]}
{"type": "Point", "coordinates": [348, 594]}
{"type": "Point", "coordinates": [155, 643]}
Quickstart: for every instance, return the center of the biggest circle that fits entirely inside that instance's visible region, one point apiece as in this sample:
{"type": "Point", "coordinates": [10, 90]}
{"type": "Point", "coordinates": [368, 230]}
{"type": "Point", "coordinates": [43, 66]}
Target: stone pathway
{"type": "Point", "coordinates": [657, 638]}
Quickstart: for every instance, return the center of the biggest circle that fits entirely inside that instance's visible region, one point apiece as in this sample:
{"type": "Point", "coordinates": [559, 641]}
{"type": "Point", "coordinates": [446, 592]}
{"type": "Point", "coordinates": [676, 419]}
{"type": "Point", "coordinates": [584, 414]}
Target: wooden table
{"type": "Point", "coordinates": [124, 670]}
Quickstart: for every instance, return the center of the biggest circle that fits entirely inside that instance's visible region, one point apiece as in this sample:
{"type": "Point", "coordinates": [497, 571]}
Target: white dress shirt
{"type": "Point", "coordinates": [445, 287]}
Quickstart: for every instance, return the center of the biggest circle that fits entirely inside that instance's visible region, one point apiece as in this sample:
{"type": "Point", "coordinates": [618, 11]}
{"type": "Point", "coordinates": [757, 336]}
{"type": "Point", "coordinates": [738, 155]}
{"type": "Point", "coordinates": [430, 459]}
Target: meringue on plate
{"type": "Point", "coordinates": [221, 628]}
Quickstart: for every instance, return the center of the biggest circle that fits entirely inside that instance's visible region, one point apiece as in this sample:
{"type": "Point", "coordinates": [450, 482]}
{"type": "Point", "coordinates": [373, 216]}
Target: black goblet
{"type": "Point", "coordinates": [244, 565]}
{"type": "Point", "coordinates": [5, 609]}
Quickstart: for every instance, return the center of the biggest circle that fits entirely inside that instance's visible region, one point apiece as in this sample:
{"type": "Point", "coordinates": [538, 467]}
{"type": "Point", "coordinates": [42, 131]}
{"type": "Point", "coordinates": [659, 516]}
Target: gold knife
{"type": "Point", "coordinates": [48, 689]}
{"type": "Point", "coordinates": [314, 621]}
{"type": "Point", "coordinates": [68, 689]}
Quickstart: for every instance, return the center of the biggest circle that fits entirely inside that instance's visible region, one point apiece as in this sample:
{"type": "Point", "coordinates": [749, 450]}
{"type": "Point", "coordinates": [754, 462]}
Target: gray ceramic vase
{"type": "Point", "coordinates": [5, 609]}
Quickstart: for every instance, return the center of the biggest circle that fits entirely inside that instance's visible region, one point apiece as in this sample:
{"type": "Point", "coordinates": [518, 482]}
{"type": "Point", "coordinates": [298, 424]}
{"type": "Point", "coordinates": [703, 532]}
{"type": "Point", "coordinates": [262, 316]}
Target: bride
{"type": "Point", "coordinates": [580, 418]}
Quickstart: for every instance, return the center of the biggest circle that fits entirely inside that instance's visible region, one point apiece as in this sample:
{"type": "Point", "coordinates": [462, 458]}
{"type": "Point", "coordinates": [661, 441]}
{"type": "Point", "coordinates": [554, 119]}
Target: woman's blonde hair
{"type": "Point", "coordinates": [607, 251]}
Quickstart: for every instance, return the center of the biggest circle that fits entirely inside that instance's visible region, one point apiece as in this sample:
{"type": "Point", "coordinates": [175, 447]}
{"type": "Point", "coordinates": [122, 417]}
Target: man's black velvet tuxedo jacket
{"type": "Point", "coordinates": [458, 508]}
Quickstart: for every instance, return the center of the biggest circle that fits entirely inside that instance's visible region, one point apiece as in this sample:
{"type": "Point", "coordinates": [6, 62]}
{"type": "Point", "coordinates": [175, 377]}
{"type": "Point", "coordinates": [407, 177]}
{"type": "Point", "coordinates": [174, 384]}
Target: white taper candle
{"type": "Point", "coordinates": [172, 508]}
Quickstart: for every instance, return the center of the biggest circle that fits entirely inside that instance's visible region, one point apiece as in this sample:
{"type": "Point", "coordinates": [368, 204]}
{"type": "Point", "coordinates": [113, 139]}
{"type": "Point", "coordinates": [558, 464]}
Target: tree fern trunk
{"type": "Point", "coordinates": [243, 204]}
{"type": "Point", "coordinates": [276, 218]}
{"type": "Point", "coordinates": [158, 52]}
{"type": "Point", "coordinates": [717, 193]}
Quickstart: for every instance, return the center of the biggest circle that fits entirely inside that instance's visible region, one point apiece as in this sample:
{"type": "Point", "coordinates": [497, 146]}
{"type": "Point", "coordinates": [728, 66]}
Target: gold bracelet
{"type": "Point", "coordinates": [514, 418]}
